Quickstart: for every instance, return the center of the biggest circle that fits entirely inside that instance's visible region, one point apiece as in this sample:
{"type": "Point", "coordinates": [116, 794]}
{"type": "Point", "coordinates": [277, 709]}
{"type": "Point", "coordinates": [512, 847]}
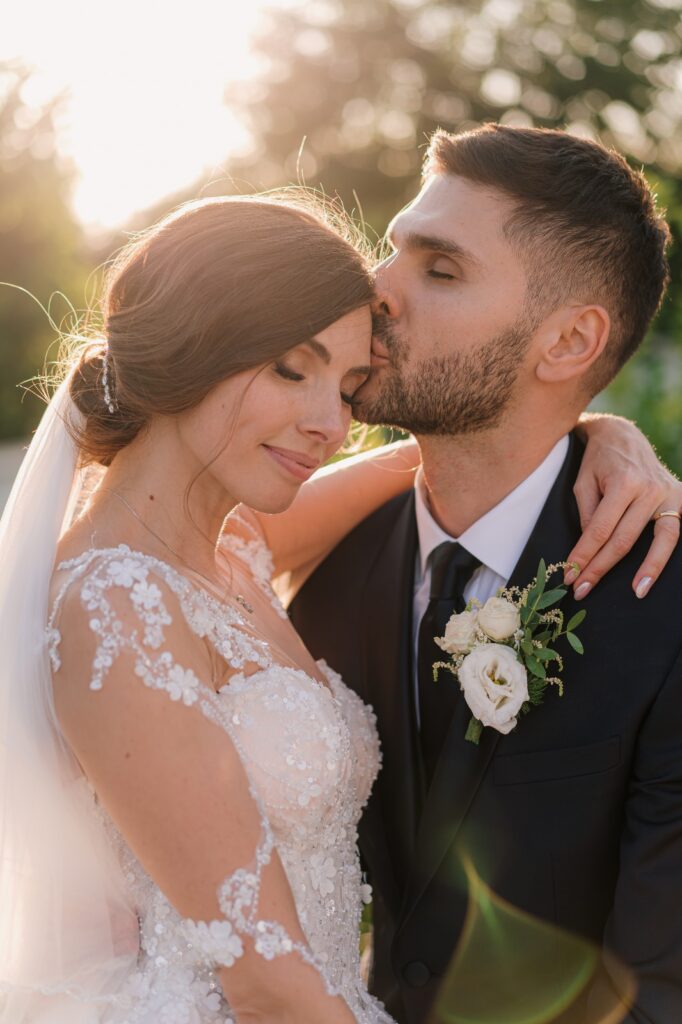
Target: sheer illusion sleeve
{"type": "Point", "coordinates": [136, 698]}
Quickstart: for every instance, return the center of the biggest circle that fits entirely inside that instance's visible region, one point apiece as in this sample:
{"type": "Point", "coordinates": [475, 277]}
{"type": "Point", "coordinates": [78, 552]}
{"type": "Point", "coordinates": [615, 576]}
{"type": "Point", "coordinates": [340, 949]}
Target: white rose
{"type": "Point", "coordinates": [495, 685]}
{"type": "Point", "coordinates": [460, 633]}
{"type": "Point", "coordinates": [499, 618]}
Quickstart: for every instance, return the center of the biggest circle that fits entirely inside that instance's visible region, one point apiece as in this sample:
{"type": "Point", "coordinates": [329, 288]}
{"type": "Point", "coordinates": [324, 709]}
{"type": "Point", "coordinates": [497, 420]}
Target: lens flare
{"type": "Point", "coordinates": [511, 968]}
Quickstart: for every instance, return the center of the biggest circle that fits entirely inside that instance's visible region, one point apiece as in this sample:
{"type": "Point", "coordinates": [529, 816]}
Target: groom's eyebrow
{"type": "Point", "coordinates": [325, 355]}
{"type": "Point", "coordinates": [433, 243]}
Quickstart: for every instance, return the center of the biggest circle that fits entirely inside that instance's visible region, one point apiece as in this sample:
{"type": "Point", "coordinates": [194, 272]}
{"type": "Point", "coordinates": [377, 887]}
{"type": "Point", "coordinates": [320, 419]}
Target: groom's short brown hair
{"type": "Point", "coordinates": [585, 223]}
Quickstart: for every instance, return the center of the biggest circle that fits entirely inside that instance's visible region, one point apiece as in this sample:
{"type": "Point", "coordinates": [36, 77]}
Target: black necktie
{"type": "Point", "coordinates": [451, 569]}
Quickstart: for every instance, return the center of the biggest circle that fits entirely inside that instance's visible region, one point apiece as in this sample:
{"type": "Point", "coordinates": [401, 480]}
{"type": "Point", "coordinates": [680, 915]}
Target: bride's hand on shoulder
{"type": "Point", "coordinates": [620, 488]}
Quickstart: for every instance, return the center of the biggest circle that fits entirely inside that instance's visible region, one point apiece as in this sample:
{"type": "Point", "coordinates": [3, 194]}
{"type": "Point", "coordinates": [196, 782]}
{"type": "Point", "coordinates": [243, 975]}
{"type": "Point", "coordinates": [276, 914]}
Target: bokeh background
{"type": "Point", "coordinates": [109, 117]}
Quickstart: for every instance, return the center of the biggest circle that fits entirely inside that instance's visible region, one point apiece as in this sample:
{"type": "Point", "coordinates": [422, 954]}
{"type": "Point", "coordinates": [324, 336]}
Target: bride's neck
{"type": "Point", "coordinates": [155, 491]}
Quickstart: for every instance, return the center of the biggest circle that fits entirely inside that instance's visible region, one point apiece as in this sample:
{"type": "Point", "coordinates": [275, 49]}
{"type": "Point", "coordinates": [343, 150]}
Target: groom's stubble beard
{"type": "Point", "coordinates": [447, 395]}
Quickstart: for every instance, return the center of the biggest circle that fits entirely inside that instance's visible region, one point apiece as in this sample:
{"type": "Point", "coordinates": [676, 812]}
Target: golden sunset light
{"type": "Point", "coordinates": [144, 114]}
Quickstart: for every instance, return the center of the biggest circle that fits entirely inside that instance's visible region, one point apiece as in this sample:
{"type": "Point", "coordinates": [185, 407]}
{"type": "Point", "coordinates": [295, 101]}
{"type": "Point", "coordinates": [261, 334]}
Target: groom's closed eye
{"type": "Point", "coordinates": [443, 270]}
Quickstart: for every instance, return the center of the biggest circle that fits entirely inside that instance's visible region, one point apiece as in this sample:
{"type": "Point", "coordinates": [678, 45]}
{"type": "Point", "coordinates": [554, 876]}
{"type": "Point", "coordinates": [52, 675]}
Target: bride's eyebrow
{"type": "Point", "coordinates": [325, 355]}
{"type": "Point", "coordinates": [320, 350]}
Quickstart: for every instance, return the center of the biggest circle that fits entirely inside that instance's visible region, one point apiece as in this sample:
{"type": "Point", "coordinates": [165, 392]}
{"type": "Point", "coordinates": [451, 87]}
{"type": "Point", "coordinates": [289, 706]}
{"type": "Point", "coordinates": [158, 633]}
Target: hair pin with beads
{"type": "Point", "coordinates": [108, 400]}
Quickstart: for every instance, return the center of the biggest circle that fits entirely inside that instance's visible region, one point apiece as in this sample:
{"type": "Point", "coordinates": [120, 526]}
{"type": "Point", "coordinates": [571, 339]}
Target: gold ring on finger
{"type": "Point", "coordinates": [667, 512]}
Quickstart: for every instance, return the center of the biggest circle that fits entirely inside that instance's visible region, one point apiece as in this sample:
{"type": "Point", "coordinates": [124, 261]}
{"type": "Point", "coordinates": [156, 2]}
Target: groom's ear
{"type": "Point", "coordinates": [571, 341]}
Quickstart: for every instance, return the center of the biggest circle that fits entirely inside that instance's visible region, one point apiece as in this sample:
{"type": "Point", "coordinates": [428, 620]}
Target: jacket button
{"type": "Point", "coordinates": [416, 974]}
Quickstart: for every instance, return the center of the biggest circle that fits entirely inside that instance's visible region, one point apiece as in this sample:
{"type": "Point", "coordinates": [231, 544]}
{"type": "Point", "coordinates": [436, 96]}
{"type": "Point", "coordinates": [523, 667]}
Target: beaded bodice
{"type": "Point", "coordinates": [310, 753]}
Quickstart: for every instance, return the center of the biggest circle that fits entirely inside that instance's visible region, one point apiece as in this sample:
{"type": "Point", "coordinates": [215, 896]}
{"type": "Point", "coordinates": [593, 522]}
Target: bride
{"type": "Point", "coordinates": [180, 783]}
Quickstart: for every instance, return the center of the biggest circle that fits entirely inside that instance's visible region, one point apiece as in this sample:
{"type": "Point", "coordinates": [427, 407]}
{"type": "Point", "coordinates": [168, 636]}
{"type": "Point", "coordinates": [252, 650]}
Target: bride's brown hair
{"type": "Point", "coordinates": [220, 286]}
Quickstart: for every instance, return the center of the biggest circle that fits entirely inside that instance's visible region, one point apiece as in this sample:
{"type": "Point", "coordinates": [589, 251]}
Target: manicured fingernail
{"type": "Point", "coordinates": [582, 590]}
{"type": "Point", "coordinates": [572, 575]}
{"type": "Point", "coordinates": [644, 585]}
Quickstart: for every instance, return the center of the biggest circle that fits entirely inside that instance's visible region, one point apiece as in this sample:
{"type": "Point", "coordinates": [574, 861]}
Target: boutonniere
{"type": "Point", "coordinates": [502, 651]}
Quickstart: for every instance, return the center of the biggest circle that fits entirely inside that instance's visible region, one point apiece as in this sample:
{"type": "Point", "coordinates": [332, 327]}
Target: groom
{"type": "Point", "coordinates": [523, 276]}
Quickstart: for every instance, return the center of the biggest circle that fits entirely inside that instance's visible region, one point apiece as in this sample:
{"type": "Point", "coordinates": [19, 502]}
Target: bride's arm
{"type": "Point", "coordinates": [620, 486]}
{"type": "Point", "coordinates": [165, 767]}
{"type": "Point", "coordinates": [334, 501]}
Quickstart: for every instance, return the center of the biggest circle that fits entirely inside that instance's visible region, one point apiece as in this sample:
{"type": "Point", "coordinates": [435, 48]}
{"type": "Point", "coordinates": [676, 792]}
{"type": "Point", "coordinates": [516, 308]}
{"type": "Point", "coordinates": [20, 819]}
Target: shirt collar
{"type": "Point", "coordinates": [498, 538]}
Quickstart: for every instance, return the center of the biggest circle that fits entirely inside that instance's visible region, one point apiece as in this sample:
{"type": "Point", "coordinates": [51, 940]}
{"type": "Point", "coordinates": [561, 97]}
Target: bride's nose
{"type": "Point", "coordinates": [328, 422]}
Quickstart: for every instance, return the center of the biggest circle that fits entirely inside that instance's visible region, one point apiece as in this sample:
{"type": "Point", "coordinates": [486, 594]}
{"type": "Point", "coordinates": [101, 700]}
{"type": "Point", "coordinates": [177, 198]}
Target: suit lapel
{"type": "Point", "coordinates": [462, 765]}
{"type": "Point", "coordinates": [386, 617]}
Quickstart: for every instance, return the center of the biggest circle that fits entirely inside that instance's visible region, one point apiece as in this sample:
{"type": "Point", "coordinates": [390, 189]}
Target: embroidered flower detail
{"type": "Point", "coordinates": [127, 572]}
{"type": "Point", "coordinates": [312, 790]}
{"type": "Point", "coordinates": [146, 595]}
{"type": "Point", "coordinates": [54, 639]}
{"type": "Point", "coordinates": [182, 685]}
{"type": "Point", "coordinates": [216, 941]}
{"type": "Point", "coordinates": [322, 873]}
{"type": "Point", "coordinates": [206, 996]}
{"type": "Point", "coordinates": [272, 940]}
{"type": "Point", "coordinates": [366, 893]}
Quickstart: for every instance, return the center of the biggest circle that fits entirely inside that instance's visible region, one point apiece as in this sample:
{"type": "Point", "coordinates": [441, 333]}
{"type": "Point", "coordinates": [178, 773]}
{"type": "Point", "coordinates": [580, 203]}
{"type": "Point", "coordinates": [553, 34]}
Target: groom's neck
{"type": "Point", "coordinates": [467, 475]}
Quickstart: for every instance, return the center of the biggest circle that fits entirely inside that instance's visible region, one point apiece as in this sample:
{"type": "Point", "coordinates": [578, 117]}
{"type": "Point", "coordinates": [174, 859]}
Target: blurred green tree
{"type": "Point", "coordinates": [350, 90]}
{"type": "Point", "coordinates": [41, 246]}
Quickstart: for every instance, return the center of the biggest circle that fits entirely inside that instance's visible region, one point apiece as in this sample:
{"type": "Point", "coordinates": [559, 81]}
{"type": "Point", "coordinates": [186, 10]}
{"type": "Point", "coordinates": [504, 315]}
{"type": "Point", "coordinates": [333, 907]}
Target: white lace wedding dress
{"type": "Point", "coordinates": [311, 754]}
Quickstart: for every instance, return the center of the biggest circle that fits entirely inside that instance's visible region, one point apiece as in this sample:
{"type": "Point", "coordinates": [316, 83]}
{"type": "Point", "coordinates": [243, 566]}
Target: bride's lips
{"type": "Point", "coordinates": [379, 355]}
{"type": "Point", "coordinates": [299, 465]}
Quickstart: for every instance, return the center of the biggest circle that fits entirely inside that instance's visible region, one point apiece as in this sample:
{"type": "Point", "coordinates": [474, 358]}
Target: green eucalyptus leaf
{"type": "Point", "coordinates": [528, 608]}
{"type": "Point", "coordinates": [535, 667]}
{"type": "Point", "coordinates": [542, 575]}
{"type": "Point", "coordinates": [551, 597]}
{"type": "Point", "coordinates": [575, 643]}
{"type": "Point", "coordinates": [576, 620]}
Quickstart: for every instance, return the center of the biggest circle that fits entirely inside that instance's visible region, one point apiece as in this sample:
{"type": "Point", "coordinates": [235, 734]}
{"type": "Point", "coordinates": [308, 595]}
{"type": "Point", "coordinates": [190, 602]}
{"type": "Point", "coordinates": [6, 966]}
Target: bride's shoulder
{"type": "Point", "coordinates": [109, 602]}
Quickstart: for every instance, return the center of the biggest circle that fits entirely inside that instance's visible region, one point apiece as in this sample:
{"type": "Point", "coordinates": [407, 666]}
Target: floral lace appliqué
{"type": "Point", "coordinates": [310, 754]}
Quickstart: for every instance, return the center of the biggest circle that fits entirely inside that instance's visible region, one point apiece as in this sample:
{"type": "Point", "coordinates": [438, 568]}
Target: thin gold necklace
{"type": "Point", "coordinates": [239, 598]}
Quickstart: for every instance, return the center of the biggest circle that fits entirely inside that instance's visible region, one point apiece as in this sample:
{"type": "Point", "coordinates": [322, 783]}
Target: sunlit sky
{"type": "Point", "coordinates": [145, 80]}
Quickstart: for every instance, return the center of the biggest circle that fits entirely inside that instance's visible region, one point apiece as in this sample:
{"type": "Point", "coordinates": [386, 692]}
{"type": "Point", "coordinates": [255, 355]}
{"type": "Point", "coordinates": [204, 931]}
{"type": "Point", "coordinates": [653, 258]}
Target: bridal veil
{"type": "Point", "coordinates": [67, 930]}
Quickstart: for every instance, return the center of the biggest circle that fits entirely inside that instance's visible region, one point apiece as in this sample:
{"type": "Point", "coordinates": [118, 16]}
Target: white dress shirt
{"type": "Point", "coordinates": [497, 539]}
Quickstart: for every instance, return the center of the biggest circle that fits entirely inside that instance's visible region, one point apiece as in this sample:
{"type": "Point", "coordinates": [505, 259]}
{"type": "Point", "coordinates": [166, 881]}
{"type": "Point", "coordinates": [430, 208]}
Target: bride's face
{"type": "Point", "coordinates": [263, 433]}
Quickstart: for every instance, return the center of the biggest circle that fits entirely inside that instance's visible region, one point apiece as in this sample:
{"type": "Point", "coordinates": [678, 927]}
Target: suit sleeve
{"type": "Point", "coordinates": [645, 925]}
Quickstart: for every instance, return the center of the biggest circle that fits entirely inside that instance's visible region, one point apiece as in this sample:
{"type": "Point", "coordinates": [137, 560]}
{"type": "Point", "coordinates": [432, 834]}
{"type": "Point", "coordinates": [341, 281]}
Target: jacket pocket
{"type": "Point", "coordinates": [560, 763]}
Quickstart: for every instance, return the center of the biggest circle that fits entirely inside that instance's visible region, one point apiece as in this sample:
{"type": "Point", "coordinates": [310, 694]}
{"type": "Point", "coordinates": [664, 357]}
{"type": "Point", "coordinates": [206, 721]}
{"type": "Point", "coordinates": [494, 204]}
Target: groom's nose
{"type": "Point", "coordinates": [386, 301]}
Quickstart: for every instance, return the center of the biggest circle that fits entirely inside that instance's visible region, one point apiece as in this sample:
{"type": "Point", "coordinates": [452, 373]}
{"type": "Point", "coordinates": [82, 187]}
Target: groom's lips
{"type": "Point", "coordinates": [299, 465]}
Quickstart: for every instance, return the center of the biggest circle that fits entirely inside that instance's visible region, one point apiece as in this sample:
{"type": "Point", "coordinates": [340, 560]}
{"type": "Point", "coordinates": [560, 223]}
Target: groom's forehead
{"type": "Point", "coordinates": [454, 208]}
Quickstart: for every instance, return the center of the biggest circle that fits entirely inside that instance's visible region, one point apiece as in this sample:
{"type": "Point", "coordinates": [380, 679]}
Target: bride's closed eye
{"type": "Point", "coordinates": [288, 374]}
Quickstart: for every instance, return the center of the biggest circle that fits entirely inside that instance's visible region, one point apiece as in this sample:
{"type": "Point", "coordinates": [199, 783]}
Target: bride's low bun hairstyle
{"type": "Point", "coordinates": [103, 433]}
{"type": "Point", "coordinates": [220, 286]}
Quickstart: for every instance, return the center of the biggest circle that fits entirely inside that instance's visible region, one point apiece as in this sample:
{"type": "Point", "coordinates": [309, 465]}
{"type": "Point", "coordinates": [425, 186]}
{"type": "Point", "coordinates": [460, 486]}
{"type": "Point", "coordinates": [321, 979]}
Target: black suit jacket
{"type": "Point", "coordinates": [575, 816]}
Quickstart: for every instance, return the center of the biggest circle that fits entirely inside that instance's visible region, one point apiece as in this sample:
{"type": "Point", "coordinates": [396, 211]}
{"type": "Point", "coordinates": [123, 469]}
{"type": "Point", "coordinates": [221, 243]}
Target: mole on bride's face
{"type": "Point", "coordinates": [263, 433]}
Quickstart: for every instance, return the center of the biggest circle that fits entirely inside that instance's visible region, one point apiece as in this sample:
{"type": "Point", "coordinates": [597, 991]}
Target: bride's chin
{"type": "Point", "coordinates": [272, 504]}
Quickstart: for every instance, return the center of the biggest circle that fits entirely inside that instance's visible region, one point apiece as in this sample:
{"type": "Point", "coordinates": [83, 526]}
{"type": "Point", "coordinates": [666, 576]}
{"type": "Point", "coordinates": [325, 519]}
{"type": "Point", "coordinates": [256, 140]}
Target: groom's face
{"type": "Point", "coordinates": [452, 330]}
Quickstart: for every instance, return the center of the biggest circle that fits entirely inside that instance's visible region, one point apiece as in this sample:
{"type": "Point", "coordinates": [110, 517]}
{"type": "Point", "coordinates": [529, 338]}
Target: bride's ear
{"type": "Point", "coordinates": [574, 338]}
